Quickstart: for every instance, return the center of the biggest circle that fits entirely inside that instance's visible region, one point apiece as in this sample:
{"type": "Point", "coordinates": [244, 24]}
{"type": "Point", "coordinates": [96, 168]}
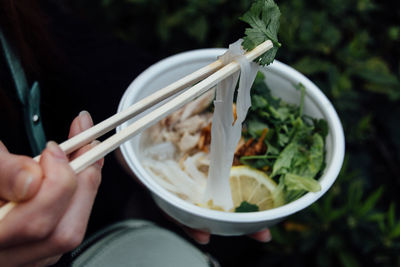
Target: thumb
{"type": "Point", "coordinates": [20, 176]}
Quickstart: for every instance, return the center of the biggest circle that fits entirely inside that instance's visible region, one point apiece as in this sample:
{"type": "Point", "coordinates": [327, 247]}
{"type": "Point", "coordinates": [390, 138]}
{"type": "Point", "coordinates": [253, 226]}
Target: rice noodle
{"type": "Point", "coordinates": [225, 132]}
{"type": "Point", "coordinates": [169, 175]}
{"type": "Point", "coordinates": [171, 150]}
{"type": "Point", "coordinates": [191, 166]}
{"type": "Point", "coordinates": [161, 151]}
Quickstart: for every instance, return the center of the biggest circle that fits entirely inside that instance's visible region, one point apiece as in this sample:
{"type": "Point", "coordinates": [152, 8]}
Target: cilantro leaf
{"type": "Point", "coordinates": [321, 127]}
{"type": "Point", "coordinates": [297, 182]}
{"type": "Point", "coordinates": [302, 89]}
{"type": "Point", "coordinates": [284, 160]}
{"type": "Point", "coordinates": [295, 141]}
{"type": "Point", "coordinates": [247, 207]}
{"type": "Point", "coordinates": [263, 17]}
{"type": "Point", "coordinates": [256, 127]}
{"type": "Point", "coordinates": [260, 88]}
{"type": "Point", "coordinates": [310, 161]}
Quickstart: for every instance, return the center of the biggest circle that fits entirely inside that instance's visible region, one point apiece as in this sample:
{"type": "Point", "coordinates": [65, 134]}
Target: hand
{"type": "Point", "coordinates": [54, 203]}
{"type": "Point", "coordinates": [203, 237]}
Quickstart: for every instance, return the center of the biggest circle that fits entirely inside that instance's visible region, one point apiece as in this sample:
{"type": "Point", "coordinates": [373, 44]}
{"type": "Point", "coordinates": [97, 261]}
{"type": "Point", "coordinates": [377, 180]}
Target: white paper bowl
{"type": "Point", "coordinates": [280, 78]}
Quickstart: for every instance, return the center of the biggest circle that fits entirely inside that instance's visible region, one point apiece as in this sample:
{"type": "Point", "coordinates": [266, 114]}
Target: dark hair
{"type": "Point", "coordinates": [25, 26]}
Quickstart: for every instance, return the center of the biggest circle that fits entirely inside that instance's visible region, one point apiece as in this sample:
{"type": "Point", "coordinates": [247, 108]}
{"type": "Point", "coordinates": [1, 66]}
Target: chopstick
{"type": "Point", "coordinates": [125, 134]}
{"type": "Point", "coordinates": [108, 145]}
{"type": "Point", "coordinates": [110, 123]}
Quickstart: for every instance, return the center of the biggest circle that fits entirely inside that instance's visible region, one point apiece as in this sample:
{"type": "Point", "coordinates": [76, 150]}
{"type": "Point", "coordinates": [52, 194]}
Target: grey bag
{"type": "Point", "coordinates": [137, 243]}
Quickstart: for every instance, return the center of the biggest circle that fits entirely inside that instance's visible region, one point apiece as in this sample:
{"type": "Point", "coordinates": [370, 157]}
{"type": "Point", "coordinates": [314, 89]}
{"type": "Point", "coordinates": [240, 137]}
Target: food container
{"type": "Point", "coordinates": [280, 78]}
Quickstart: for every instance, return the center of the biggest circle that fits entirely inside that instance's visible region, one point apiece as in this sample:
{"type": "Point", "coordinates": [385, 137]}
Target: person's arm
{"type": "Point", "coordinates": [54, 203]}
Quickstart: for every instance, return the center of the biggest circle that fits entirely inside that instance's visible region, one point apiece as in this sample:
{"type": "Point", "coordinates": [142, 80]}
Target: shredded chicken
{"type": "Point", "coordinates": [205, 138]}
{"type": "Point", "coordinates": [184, 126]}
{"type": "Point", "coordinates": [198, 105]}
{"type": "Point", "coordinates": [191, 125]}
{"type": "Point", "coordinates": [188, 141]}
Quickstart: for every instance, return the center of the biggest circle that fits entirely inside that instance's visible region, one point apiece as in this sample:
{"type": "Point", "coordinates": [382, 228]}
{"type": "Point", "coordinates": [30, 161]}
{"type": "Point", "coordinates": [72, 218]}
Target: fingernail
{"type": "Point", "coordinates": [24, 180]}
{"type": "Point", "coordinates": [85, 120]}
{"type": "Point", "coordinates": [28, 182]}
{"type": "Point", "coordinates": [56, 151]}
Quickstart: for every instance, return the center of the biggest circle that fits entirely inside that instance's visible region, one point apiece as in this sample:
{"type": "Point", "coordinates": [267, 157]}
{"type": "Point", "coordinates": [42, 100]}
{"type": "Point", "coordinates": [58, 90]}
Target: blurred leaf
{"type": "Point", "coordinates": [365, 5]}
{"type": "Point", "coordinates": [310, 65]}
{"type": "Point", "coordinates": [376, 70]}
{"type": "Point", "coordinates": [394, 33]}
{"type": "Point", "coordinates": [354, 195]}
{"type": "Point", "coordinates": [370, 202]}
{"type": "Point", "coordinates": [391, 215]}
{"type": "Point", "coordinates": [395, 233]}
{"type": "Point", "coordinates": [199, 29]}
{"type": "Point", "coordinates": [376, 217]}
{"type": "Point", "coordinates": [347, 259]}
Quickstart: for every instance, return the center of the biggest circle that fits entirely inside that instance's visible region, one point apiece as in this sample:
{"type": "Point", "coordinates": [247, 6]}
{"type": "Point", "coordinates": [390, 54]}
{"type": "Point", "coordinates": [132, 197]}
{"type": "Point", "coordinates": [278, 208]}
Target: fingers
{"type": "Point", "coordinates": [39, 231]}
{"type": "Point", "coordinates": [199, 236]}
{"type": "Point", "coordinates": [74, 221]}
{"type": "Point", "coordinates": [28, 255]}
{"type": "Point", "coordinates": [70, 230]}
{"type": "Point", "coordinates": [20, 176]}
{"type": "Point", "coordinates": [203, 238]}
{"type": "Point", "coordinates": [262, 236]}
{"type": "Point", "coordinates": [36, 219]}
{"type": "Point", "coordinates": [48, 261]}
{"type": "Point", "coordinates": [3, 148]}
{"type": "Point", "coordinates": [81, 123]}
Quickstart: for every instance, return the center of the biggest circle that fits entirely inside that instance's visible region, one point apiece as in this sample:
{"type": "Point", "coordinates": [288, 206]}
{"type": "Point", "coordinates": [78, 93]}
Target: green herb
{"type": "Point", "coordinates": [246, 207]}
{"type": "Point", "coordinates": [295, 142]}
{"type": "Point", "coordinates": [263, 17]}
{"type": "Point", "coordinates": [297, 182]}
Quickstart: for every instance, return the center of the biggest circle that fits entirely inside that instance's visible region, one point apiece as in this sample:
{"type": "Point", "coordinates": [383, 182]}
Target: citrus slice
{"type": "Point", "coordinates": [255, 187]}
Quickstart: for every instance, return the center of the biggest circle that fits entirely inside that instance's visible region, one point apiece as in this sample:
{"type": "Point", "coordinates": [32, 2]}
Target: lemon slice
{"type": "Point", "coordinates": [255, 187]}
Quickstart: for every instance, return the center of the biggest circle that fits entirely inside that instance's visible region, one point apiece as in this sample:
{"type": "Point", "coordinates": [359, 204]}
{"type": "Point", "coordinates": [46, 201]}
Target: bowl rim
{"type": "Point", "coordinates": [278, 68]}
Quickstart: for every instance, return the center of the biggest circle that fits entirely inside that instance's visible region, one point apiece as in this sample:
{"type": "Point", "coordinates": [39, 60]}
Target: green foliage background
{"type": "Point", "coordinates": [350, 49]}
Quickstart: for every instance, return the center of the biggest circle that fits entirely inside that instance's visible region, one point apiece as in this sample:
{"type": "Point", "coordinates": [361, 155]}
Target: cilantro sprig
{"type": "Point", "coordinates": [263, 17]}
{"type": "Point", "coordinates": [247, 207]}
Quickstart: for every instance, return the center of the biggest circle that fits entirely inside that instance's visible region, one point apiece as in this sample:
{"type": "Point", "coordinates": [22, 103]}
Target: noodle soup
{"type": "Point", "coordinates": [188, 208]}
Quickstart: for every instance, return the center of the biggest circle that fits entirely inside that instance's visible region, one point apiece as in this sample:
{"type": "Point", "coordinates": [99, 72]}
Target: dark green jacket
{"type": "Point", "coordinates": [28, 97]}
{"type": "Point", "coordinates": [94, 72]}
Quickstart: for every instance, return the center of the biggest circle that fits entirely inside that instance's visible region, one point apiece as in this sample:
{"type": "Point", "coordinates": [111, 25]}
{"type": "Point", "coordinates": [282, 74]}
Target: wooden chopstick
{"type": "Point", "coordinates": [110, 123]}
{"type": "Point", "coordinates": [117, 139]}
{"type": "Point", "coordinates": [108, 145]}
